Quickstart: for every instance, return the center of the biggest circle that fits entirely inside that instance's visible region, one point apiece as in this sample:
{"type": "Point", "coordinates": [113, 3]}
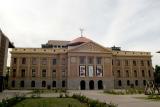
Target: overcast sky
{"type": "Point", "coordinates": [130, 24]}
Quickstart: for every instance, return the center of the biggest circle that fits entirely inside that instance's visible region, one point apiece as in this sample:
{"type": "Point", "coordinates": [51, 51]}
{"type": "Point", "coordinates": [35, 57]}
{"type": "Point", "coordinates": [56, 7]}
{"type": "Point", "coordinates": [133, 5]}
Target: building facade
{"type": "Point", "coordinates": [78, 64]}
{"type": "Point", "coordinates": [4, 45]}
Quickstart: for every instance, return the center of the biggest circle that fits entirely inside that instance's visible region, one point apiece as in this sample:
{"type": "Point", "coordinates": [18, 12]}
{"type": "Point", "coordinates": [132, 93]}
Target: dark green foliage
{"type": "Point", "coordinates": [92, 103]}
{"type": "Point", "coordinates": [11, 102]}
{"type": "Point", "coordinates": [153, 97]}
{"type": "Point", "coordinates": [60, 95]}
{"type": "Point", "coordinates": [129, 91]}
{"type": "Point", "coordinates": [157, 74]}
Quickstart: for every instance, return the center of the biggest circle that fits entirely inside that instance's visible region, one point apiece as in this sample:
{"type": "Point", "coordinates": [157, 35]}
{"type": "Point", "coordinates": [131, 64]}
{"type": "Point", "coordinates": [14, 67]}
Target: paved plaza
{"type": "Point", "coordinates": [121, 100]}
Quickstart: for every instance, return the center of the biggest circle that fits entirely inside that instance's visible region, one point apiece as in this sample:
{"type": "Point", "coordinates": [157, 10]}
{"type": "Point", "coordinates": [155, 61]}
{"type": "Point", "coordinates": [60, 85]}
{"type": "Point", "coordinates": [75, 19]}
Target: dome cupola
{"type": "Point", "coordinates": [78, 41]}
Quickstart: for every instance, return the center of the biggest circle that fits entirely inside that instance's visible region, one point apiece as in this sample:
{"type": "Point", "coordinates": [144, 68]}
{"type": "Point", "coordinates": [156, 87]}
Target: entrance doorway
{"type": "Point", "coordinates": [100, 84]}
{"type": "Point", "coordinates": [91, 85]}
{"type": "Point", "coordinates": [83, 85]}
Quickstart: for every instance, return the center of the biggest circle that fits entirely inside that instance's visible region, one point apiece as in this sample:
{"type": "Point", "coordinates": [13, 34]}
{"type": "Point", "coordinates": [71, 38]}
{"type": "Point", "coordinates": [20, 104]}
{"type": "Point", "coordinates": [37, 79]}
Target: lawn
{"type": "Point", "coordinates": [50, 102]}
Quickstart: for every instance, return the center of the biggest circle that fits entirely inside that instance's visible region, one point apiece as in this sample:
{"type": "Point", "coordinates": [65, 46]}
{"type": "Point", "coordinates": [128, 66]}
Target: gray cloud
{"type": "Point", "coordinates": [131, 24]}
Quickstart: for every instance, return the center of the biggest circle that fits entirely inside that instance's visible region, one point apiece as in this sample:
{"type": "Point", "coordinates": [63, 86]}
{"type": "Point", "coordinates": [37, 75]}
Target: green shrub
{"type": "Point", "coordinates": [60, 95]}
{"type": "Point", "coordinates": [93, 103]}
{"type": "Point", "coordinates": [67, 95]}
{"type": "Point", "coordinates": [90, 102]}
{"type": "Point", "coordinates": [12, 101]}
{"type": "Point", "coordinates": [123, 92]}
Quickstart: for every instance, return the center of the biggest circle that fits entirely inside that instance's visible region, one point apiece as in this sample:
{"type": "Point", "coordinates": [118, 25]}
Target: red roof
{"type": "Point", "coordinates": [79, 40]}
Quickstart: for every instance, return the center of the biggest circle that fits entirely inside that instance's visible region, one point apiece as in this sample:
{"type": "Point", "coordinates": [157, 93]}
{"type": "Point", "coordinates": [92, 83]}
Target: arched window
{"type": "Point", "coordinates": [13, 83]}
{"type": "Point", "coordinates": [91, 84]}
{"type": "Point", "coordinates": [136, 82]}
{"type": "Point", "coordinates": [119, 83]}
{"type": "Point", "coordinates": [22, 84]}
{"type": "Point", "coordinates": [144, 82]}
{"type": "Point", "coordinates": [128, 83]}
{"type": "Point", "coordinates": [54, 84]}
{"type": "Point", "coordinates": [33, 84]}
{"type": "Point", "coordinates": [100, 84]}
{"type": "Point", "coordinates": [83, 85]}
{"type": "Point", "coordinates": [43, 83]}
{"type": "Point", "coordinates": [63, 83]}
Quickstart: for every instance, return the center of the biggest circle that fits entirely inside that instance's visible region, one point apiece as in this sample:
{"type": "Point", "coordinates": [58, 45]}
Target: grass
{"type": "Point", "coordinates": [50, 102]}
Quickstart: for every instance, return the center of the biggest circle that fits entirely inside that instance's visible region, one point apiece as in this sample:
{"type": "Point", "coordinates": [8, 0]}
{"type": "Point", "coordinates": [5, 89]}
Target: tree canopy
{"type": "Point", "coordinates": [157, 74]}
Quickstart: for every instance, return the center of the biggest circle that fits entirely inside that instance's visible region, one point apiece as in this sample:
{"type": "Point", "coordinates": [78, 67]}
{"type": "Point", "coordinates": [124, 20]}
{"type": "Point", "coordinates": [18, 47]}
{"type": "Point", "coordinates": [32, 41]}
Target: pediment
{"type": "Point", "coordinates": [90, 47]}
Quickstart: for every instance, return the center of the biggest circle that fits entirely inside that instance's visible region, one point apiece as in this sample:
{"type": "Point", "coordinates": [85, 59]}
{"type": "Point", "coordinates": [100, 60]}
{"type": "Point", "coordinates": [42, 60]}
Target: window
{"type": "Point", "coordinates": [119, 83]}
{"type": "Point", "coordinates": [63, 73]}
{"type": "Point", "coordinates": [143, 74]}
{"type": "Point", "coordinates": [54, 73]}
{"type": "Point", "coordinates": [32, 83]}
{"type": "Point", "coordinates": [134, 63]}
{"type": "Point", "coordinates": [144, 82]}
{"type": "Point", "coordinates": [63, 84]}
{"type": "Point", "coordinates": [23, 73]}
{"type": "Point", "coordinates": [126, 63]}
{"type": "Point", "coordinates": [99, 71]}
{"type": "Point", "coordinates": [82, 71]}
{"type": "Point", "coordinates": [149, 73]}
{"type": "Point", "coordinates": [43, 83]}
{"type": "Point", "coordinates": [90, 60]}
{"type": "Point", "coordinates": [33, 73]}
{"type": "Point", "coordinates": [54, 84]}
{"type": "Point", "coordinates": [128, 83]}
{"type": "Point", "coordinates": [44, 73]}
{"type": "Point", "coordinates": [142, 63]}
{"type": "Point", "coordinates": [135, 73]}
{"type": "Point", "coordinates": [73, 59]}
{"type": "Point", "coordinates": [118, 62]}
{"type": "Point", "coordinates": [23, 60]}
{"type": "Point", "coordinates": [127, 73]}
{"type": "Point", "coordinates": [13, 83]}
{"type": "Point", "coordinates": [91, 71]}
{"type": "Point", "coordinates": [82, 60]}
{"type": "Point", "coordinates": [99, 60]}
{"type": "Point", "coordinates": [113, 73]}
{"type": "Point", "coordinates": [34, 61]}
{"type": "Point", "coordinates": [118, 73]}
{"type": "Point", "coordinates": [54, 62]}
{"type": "Point", "coordinates": [22, 84]}
{"type": "Point", "coordinates": [14, 60]}
{"type": "Point", "coordinates": [136, 82]}
{"type": "Point", "coordinates": [44, 61]}
{"type": "Point", "coordinates": [63, 61]}
{"type": "Point", "coordinates": [14, 73]}
{"type": "Point", "coordinates": [148, 62]}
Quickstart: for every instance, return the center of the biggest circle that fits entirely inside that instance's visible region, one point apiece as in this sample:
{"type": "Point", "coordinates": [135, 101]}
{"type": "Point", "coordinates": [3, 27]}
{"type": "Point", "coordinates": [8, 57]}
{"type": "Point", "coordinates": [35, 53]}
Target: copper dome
{"type": "Point", "coordinates": [79, 41]}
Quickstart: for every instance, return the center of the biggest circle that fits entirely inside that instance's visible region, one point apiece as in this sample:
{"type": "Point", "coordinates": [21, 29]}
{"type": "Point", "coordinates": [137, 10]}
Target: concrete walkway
{"type": "Point", "coordinates": [6, 94]}
{"type": "Point", "coordinates": [121, 100]}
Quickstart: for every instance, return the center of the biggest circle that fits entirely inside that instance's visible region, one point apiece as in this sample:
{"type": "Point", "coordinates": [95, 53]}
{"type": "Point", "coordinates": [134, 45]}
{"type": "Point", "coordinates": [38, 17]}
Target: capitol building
{"type": "Point", "coordinates": [80, 64]}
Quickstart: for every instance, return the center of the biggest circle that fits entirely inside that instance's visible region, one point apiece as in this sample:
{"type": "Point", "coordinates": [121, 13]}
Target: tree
{"type": "Point", "coordinates": [157, 74]}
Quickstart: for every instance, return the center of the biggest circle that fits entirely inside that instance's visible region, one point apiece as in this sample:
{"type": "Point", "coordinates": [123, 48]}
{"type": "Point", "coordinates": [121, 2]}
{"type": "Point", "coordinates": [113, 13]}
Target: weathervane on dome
{"type": "Point", "coordinates": [81, 30]}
